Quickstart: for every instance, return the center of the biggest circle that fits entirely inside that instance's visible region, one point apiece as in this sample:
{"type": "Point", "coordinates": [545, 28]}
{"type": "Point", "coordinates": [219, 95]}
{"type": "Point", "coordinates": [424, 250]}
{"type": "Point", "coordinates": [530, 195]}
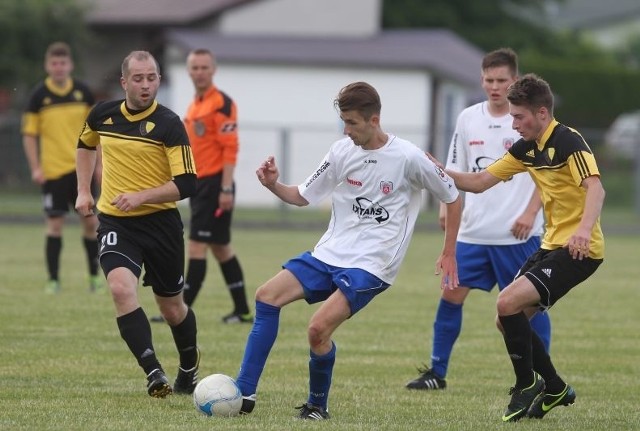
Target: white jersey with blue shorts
{"type": "Point", "coordinates": [376, 198]}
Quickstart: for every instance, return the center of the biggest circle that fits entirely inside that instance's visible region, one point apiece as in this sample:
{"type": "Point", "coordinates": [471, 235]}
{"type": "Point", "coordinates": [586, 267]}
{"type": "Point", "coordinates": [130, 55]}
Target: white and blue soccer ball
{"type": "Point", "coordinates": [217, 395]}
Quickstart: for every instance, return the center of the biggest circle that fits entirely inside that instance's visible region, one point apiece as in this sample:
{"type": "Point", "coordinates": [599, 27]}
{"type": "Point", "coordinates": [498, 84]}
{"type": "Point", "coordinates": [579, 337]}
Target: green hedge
{"type": "Point", "coordinates": [587, 96]}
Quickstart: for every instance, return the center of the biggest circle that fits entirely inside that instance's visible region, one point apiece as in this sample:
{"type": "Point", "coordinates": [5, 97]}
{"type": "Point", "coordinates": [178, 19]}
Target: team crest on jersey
{"type": "Point", "coordinates": [507, 143]}
{"type": "Point", "coordinates": [46, 101]}
{"type": "Point", "coordinates": [386, 187]}
{"type": "Point", "coordinates": [199, 128]}
{"type": "Point", "coordinates": [229, 127]}
{"type": "Point", "coordinates": [77, 95]}
{"type": "Point", "coordinates": [548, 155]}
{"type": "Point", "coordinates": [441, 174]}
{"type": "Point", "coordinates": [146, 127]}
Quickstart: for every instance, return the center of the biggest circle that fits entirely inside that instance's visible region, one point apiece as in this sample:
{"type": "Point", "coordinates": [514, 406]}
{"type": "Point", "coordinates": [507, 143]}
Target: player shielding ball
{"type": "Point", "coordinates": [375, 180]}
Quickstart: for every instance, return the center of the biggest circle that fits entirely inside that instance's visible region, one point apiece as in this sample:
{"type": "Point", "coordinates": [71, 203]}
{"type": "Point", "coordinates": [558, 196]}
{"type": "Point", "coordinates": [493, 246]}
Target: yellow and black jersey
{"type": "Point", "coordinates": [558, 164]}
{"type": "Point", "coordinates": [140, 151]}
{"type": "Point", "coordinates": [56, 115]}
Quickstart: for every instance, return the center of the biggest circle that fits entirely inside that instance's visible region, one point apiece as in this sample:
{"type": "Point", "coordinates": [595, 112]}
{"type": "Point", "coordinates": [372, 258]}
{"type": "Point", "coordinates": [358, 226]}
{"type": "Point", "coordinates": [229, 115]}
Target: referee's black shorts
{"type": "Point", "coordinates": [204, 225]}
{"type": "Point", "coordinates": [154, 242]}
{"type": "Point", "coordinates": [555, 272]}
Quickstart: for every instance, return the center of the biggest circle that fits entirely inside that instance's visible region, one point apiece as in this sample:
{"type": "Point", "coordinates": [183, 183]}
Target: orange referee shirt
{"type": "Point", "coordinates": [211, 124]}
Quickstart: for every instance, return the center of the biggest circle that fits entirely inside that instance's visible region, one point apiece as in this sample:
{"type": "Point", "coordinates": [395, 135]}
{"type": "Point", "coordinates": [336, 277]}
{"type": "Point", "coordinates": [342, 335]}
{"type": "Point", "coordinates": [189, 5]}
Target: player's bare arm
{"type": "Point", "coordinates": [521, 228]}
{"type": "Point", "coordinates": [446, 263]}
{"type": "Point", "coordinates": [30, 144]}
{"type": "Point", "coordinates": [474, 182]}
{"type": "Point", "coordinates": [85, 164]}
{"type": "Point", "coordinates": [268, 175]}
{"type": "Point", "coordinates": [225, 199]}
{"type": "Point", "coordinates": [578, 243]}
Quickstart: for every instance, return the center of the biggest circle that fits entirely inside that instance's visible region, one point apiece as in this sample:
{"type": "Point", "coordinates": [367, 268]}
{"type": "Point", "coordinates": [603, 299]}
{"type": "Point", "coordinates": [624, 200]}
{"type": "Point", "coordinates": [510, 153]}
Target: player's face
{"type": "Point", "coordinates": [201, 69]}
{"type": "Point", "coordinates": [358, 129]}
{"type": "Point", "coordinates": [59, 68]}
{"type": "Point", "coordinates": [529, 124]}
{"type": "Point", "coordinates": [141, 83]}
{"type": "Point", "coordinates": [495, 81]}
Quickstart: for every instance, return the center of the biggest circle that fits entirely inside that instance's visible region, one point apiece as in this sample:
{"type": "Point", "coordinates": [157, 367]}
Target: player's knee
{"type": "Point", "coordinates": [174, 312]}
{"type": "Point", "coordinates": [317, 335]}
{"type": "Point", "coordinates": [505, 305]}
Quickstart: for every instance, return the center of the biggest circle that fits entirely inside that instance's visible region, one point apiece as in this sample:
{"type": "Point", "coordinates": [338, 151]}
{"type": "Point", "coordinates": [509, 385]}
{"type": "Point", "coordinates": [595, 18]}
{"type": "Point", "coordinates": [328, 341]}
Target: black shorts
{"type": "Point", "coordinates": [60, 194]}
{"type": "Point", "coordinates": [155, 241]}
{"type": "Point", "coordinates": [205, 226]}
{"type": "Point", "coordinates": [555, 272]}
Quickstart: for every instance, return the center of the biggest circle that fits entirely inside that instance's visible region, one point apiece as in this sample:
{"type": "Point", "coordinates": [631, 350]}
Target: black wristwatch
{"type": "Point", "coordinates": [227, 190]}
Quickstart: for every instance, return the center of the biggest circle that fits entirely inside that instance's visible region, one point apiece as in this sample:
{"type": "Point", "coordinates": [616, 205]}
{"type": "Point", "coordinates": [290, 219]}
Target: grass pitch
{"type": "Point", "coordinates": [63, 365]}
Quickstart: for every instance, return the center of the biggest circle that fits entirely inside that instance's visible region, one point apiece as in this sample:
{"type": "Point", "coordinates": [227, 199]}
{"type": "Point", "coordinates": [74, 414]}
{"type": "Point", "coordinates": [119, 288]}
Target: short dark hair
{"type": "Point", "coordinates": [138, 55]}
{"type": "Point", "coordinates": [58, 49]}
{"type": "Point", "coordinates": [531, 92]}
{"type": "Point", "coordinates": [360, 97]}
{"type": "Point", "coordinates": [501, 57]}
{"type": "Point", "coordinates": [203, 51]}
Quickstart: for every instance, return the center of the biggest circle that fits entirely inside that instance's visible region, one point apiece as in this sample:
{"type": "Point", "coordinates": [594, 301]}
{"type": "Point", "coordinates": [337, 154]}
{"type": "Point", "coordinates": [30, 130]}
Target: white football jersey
{"type": "Point", "coordinates": [376, 198]}
{"type": "Point", "coordinates": [487, 217]}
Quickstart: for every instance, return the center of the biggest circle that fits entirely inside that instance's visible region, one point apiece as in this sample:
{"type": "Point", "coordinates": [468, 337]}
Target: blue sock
{"type": "Point", "coordinates": [541, 325]}
{"type": "Point", "coordinates": [320, 372]}
{"type": "Point", "coordinates": [261, 339]}
{"type": "Point", "coordinates": [446, 329]}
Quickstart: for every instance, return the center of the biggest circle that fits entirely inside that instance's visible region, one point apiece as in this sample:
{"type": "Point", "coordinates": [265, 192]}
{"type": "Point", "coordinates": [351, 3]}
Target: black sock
{"type": "Point", "coordinates": [91, 247]}
{"type": "Point", "coordinates": [543, 366]}
{"type": "Point", "coordinates": [517, 338]}
{"type": "Point", "coordinates": [53, 248]}
{"type": "Point", "coordinates": [136, 332]}
{"type": "Point", "coordinates": [196, 271]}
{"type": "Point", "coordinates": [184, 335]}
{"type": "Point", "coordinates": [232, 273]}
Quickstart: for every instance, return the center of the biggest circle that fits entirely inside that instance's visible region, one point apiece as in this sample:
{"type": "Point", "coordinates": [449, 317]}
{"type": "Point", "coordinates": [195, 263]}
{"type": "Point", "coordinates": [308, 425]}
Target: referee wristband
{"type": "Point", "coordinates": [227, 190]}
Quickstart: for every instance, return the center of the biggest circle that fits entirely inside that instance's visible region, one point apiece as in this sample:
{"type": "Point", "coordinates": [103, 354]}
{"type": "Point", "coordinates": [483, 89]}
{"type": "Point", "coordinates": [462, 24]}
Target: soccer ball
{"type": "Point", "coordinates": [217, 395]}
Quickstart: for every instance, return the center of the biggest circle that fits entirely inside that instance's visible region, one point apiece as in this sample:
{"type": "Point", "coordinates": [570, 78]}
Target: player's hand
{"type": "Point", "coordinates": [37, 176]}
{"type": "Point", "coordinates": [434, 160]}
{"type": "Point", "coordinates": [267, 172]}
{"type": "Point", "coordinates": [522, 226]}
{"type": "Point", "coordinates": [127, 201]}
{"type": "Point", "coordinates": [225, 202]}
{"type": "Point", "coordinates": [84, 204]}
{"type": "Point", "coordinates": [578, 244]}
{"type": "Point", "coordinates": [447, 267]}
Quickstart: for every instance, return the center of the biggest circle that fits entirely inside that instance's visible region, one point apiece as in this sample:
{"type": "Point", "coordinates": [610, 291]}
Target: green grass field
{"type": "Point", "coordinates": [64, 366]}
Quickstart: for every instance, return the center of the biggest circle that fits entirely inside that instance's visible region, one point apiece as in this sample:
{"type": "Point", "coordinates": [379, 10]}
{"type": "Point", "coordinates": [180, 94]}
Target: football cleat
{"type": "Point", "coordinates": [158, 384]}
{"type": "Point", "coordinates": [521, 399]}
{"type": "Point", "coordinates": [52, 287]}
{"type": "Point", "coordinates": [96, 285]}
{"type": "Point", "coordinates": [248, 403]}
{"type": "Point", "coordinates": [545, 402]}
{"type": "Point", "coordinates": [311, 412]}
{"type": "Point", "coordinates": [427, 380]}
{"type": "Point", "coordinates": [238, 318]}
{"type": "Point", "coordinates": [186, 380]}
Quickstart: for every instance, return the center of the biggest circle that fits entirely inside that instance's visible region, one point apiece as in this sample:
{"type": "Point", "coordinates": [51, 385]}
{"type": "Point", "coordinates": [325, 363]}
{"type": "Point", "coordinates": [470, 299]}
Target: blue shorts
{"type": "Point", "coordinates": [484, 266]}
{"type": "Point", "coordinates": [320, 280]}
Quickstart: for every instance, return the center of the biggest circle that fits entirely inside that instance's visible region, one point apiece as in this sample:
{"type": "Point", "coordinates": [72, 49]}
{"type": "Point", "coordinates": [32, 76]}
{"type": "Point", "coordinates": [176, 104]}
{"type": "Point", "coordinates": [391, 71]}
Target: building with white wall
{"type": "Point", "coordinates": [284, 61]}
{"type": "Point", "coordinates": [285, 86]}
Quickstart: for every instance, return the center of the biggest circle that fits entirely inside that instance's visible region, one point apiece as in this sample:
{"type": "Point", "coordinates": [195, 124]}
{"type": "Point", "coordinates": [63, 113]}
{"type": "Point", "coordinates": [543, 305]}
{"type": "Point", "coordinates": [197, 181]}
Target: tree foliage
{"type": "Point", "coordinates": [27, 27]}
{"type": "Point", "coordinates": [490, 24]}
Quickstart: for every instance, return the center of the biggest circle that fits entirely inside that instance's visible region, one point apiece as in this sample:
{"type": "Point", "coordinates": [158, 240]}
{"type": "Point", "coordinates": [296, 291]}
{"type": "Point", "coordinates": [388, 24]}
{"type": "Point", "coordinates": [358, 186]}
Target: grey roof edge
{"type": "Point", "coordinates": [439, 50]}
{"type": "Point", "coordinates": [121, 13]}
